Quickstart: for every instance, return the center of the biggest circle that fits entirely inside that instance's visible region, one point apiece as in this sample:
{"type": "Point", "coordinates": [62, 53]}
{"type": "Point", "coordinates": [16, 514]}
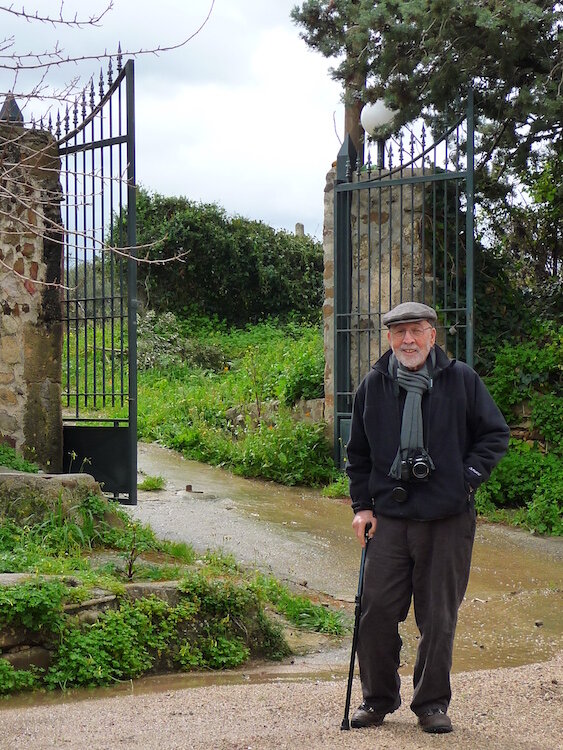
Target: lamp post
{"type": "Point", "coordinates": [374, 117]}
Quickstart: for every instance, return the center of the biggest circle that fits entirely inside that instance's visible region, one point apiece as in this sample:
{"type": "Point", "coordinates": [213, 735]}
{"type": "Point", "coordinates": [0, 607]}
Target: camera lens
{"type": "Point", "coordinates": [420, 469]}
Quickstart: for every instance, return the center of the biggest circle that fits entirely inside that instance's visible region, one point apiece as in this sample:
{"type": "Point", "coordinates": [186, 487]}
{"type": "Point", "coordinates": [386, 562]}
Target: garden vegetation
{"type": "Point", "coordinates": [223, 615]}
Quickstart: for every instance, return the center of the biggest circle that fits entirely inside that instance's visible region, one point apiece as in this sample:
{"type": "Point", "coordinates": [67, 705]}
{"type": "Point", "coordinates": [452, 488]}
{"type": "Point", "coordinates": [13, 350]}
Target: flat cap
{"type": "Point", "coordinates": [408, 312]}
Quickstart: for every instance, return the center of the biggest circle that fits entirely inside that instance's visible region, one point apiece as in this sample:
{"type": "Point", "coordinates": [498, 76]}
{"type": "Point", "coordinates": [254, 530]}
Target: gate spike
{"type": "Point", "coordinates": [58, 126]}
{"type": "Point", "coordinates": [50, 124]}
{"type": "Point", "coordinates": [119, 57]}
{"type": "Point", "coordinates": [390, 155]}
{"type": "Point", "coordinates": [110, 73]}
{"type": "Point", "coordinates": [33, 122]}
{"type": "Point", "coordinates": [102, 83]}
{"type": "Point", "coordinates": [66, 120]}
{"type": "Point", "coordinates": [401, 148]}
{"type": "Point", "coordinates": [75, 112]}
{"type": "Point", "coordinates": [84, 104]}
{"type": "Point", "coordinates": [92, 97]}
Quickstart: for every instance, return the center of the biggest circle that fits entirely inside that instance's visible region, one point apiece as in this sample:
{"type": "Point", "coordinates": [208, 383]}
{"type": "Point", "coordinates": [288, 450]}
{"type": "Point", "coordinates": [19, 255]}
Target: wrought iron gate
{"type": "Point", "coordinates": [97, 148]}
{"type": "Point", "coordinates": [401, 233]}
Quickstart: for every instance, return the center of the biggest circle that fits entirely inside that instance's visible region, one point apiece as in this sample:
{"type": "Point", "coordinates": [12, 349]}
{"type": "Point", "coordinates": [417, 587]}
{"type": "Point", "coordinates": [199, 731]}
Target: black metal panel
{"type": "Point", "coordinates": [103, 452]}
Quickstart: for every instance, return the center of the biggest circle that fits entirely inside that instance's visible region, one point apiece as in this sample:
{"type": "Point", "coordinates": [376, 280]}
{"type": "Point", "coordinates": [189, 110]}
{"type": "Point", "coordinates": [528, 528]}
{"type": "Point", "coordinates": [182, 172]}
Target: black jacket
{"type": "Point", "coordinates": [464, 433]}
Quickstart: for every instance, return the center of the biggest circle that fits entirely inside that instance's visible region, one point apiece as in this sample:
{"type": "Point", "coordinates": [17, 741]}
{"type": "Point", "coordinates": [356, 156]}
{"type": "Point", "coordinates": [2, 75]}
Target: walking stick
{"type": "Point", "coordinates": [357, 612]}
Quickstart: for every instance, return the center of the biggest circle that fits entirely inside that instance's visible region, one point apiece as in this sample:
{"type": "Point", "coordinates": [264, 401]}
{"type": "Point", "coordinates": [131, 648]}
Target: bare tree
{"type": "Point", "coordinates": [37, 81]}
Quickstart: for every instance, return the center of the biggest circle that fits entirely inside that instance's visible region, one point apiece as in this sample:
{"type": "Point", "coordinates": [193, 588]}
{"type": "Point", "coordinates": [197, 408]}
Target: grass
{"type": "Point", "coordinates": [151, 483]}
{"type": "Point", "coordinates": [224, 397]}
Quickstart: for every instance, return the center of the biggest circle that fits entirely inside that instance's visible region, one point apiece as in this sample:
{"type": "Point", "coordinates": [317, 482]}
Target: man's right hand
{"type": "Point", "coordinates": [361, 520]}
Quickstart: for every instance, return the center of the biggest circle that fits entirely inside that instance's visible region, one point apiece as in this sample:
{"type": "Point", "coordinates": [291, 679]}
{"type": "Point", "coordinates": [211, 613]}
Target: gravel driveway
{"type": "Point", "coordinates": [504, 709]}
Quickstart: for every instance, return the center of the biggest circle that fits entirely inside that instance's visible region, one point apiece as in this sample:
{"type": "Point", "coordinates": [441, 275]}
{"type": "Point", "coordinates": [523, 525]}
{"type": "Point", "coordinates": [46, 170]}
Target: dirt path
{"type": "Point", "coordinates": [504, 709]}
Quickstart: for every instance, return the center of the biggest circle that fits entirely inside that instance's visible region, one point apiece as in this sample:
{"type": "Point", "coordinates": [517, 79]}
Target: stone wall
{"type": "Point", "coordinates": [30, 309]}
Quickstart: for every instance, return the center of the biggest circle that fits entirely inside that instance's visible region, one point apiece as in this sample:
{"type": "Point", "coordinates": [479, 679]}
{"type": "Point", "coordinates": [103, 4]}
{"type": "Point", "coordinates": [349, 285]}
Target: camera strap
{"type": "Point", "coordinates": [415, 383]}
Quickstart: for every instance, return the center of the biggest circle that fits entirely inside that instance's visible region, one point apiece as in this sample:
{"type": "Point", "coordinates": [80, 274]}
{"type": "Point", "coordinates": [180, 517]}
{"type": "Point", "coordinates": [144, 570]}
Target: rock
{"type": "Point", "coordinates": [29, 656]}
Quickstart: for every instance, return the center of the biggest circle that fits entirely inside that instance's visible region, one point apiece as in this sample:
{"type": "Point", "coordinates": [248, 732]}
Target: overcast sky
{"type": "Point", "coordinates": [244, 115]}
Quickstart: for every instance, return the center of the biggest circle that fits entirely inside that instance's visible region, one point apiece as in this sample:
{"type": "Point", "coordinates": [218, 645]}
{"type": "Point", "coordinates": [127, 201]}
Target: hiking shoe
{"type": "Point", "coordinates": [435, 721]}
{"type": "Point", "coordinates": [366, 716]}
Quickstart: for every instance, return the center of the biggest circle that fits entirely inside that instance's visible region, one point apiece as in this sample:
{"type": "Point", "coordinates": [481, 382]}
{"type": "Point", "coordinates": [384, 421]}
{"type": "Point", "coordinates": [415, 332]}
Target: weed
{"type": "Point", "coordinates": [153, 483]}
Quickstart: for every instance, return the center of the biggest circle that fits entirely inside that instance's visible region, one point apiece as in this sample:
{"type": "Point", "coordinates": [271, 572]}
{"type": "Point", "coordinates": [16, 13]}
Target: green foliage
{"type": "Point", "coordinates": [233, 268]}
{"type": "Point", "coordinates": [547, 418]}
{"type": "Point", "coordinates": [289, 453]}
{"type": "Point", "coordinates": [152, 483]}
{"type": "Point", "coordinates": [163, 341]}
{"type": "Point", "coordinates": [230, 612]}
{"type": "Point", "coordinates": [11, 460]}
{"type": "Point", "coordinates": [544, 512]}
{"type": "Point", "coordinates": [299, 610]}
{"type": "Point", "coordinates": [522, 370]}
{"type": "Point", "coordinates": [133, 541]}
{"type": "Point", "coordinates": [189, 409]}
{"type": "Point", "coordinates": [531, 482]}
{"type": "Point", "coordinates": [37, 605]}
{"type": "Point", "coordinates": [338, 488]}
{"type": "Point", "coordinates": [410, 53]}
{"type": "Point", "coordinates": [15, 680]}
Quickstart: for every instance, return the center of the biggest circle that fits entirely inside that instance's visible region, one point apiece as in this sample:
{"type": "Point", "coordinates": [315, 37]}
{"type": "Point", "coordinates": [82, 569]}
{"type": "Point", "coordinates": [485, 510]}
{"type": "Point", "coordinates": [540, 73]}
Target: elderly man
{"type": "Point", "coordinates": [425, 433]}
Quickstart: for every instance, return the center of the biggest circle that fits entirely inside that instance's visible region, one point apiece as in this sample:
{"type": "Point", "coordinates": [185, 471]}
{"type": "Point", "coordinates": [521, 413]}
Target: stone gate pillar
{"type": "Point", "coordinates": [388, 266]}
{"type": "Point", "coordinates": [30, 304]}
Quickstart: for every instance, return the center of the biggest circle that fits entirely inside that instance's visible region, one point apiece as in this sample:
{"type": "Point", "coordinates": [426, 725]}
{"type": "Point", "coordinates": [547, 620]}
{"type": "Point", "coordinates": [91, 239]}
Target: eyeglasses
{"type": "Point", "coordinates": [417, 332]}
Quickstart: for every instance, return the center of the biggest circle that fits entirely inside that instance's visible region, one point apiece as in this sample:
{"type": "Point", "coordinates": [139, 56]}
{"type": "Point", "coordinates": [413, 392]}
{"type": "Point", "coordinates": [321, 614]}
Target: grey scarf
{"type": "Point", "coordinates": [415, 383]}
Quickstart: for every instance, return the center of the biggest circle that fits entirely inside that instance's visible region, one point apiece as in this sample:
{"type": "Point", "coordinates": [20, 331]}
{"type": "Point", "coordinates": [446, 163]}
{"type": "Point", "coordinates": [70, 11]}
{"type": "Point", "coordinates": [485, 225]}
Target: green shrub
{"type": "Point", "coordinates": [14, 680]}
{"type": "Point", "coordinates": [236, 269]}
{"type": "Point", "coordinates": [37, 605]}
{"type": "Point", "coordinates": [11, 460]}
{"type": "Point", "coordinates": [523, 370]}
{"type": "Point", "coordinates": [545, 510]}
{"type": "Point", "coordinates": [338, 488]}
{"type": "Point", "coordinates": [163, 342]}
{"type": "Point", "coordinates": [529, 480]}
{"type": "Point", "coordinates": [288, 452]}
{"type": "Point", "coordinates": [547, 418]}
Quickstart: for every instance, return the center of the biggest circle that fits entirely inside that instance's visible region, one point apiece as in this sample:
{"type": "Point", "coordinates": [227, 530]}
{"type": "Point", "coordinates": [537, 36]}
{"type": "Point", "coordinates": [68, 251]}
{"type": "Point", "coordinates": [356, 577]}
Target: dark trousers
{"type": "Point", "coordinates": [429, 562]}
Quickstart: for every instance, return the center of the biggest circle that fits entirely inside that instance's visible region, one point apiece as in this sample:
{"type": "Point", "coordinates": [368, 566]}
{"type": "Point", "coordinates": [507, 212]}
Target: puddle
{"type": "Point", "coordinates": [511, 615]}
{"type": "Point", "coordinates": [512, 611]}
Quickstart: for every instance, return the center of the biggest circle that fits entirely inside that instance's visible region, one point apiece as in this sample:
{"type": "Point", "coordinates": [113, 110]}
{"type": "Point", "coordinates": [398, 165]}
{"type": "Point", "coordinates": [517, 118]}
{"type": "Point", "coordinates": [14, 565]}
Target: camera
{"type": "Point", "coordinates": [415, 468]}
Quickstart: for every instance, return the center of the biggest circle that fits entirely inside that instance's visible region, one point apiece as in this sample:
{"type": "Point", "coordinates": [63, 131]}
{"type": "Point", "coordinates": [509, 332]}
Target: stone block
{"type": "Point", "coordinates": [29, 656]}
{"type": "Point", "coordinates": [9, 325]}
{"type": "Point", "coordinates": [10, 350]}
{"type": "Point", "coordinates": [7, 397]}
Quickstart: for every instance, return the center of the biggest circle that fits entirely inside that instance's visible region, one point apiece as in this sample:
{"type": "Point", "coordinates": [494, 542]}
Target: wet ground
{"type": "Point", "coordinates": [512, 612]}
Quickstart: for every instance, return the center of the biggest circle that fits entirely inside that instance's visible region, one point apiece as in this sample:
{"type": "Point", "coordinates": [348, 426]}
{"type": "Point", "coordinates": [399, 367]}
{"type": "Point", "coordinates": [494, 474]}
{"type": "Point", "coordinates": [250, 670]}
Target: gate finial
{"type": "Point", "coordinates": [10, 111]}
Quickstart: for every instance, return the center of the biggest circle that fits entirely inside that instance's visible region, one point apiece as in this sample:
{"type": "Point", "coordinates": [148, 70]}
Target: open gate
{"type": "Point", "coordinates": [402, 233]}
{"type": "Point", "coordinates": [97, 147]}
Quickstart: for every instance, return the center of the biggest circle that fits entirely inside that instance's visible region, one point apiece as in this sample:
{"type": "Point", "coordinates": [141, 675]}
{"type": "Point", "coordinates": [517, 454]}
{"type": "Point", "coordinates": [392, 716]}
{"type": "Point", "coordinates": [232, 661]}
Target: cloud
{"type": "Point", "coordinates": [243, 115]}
